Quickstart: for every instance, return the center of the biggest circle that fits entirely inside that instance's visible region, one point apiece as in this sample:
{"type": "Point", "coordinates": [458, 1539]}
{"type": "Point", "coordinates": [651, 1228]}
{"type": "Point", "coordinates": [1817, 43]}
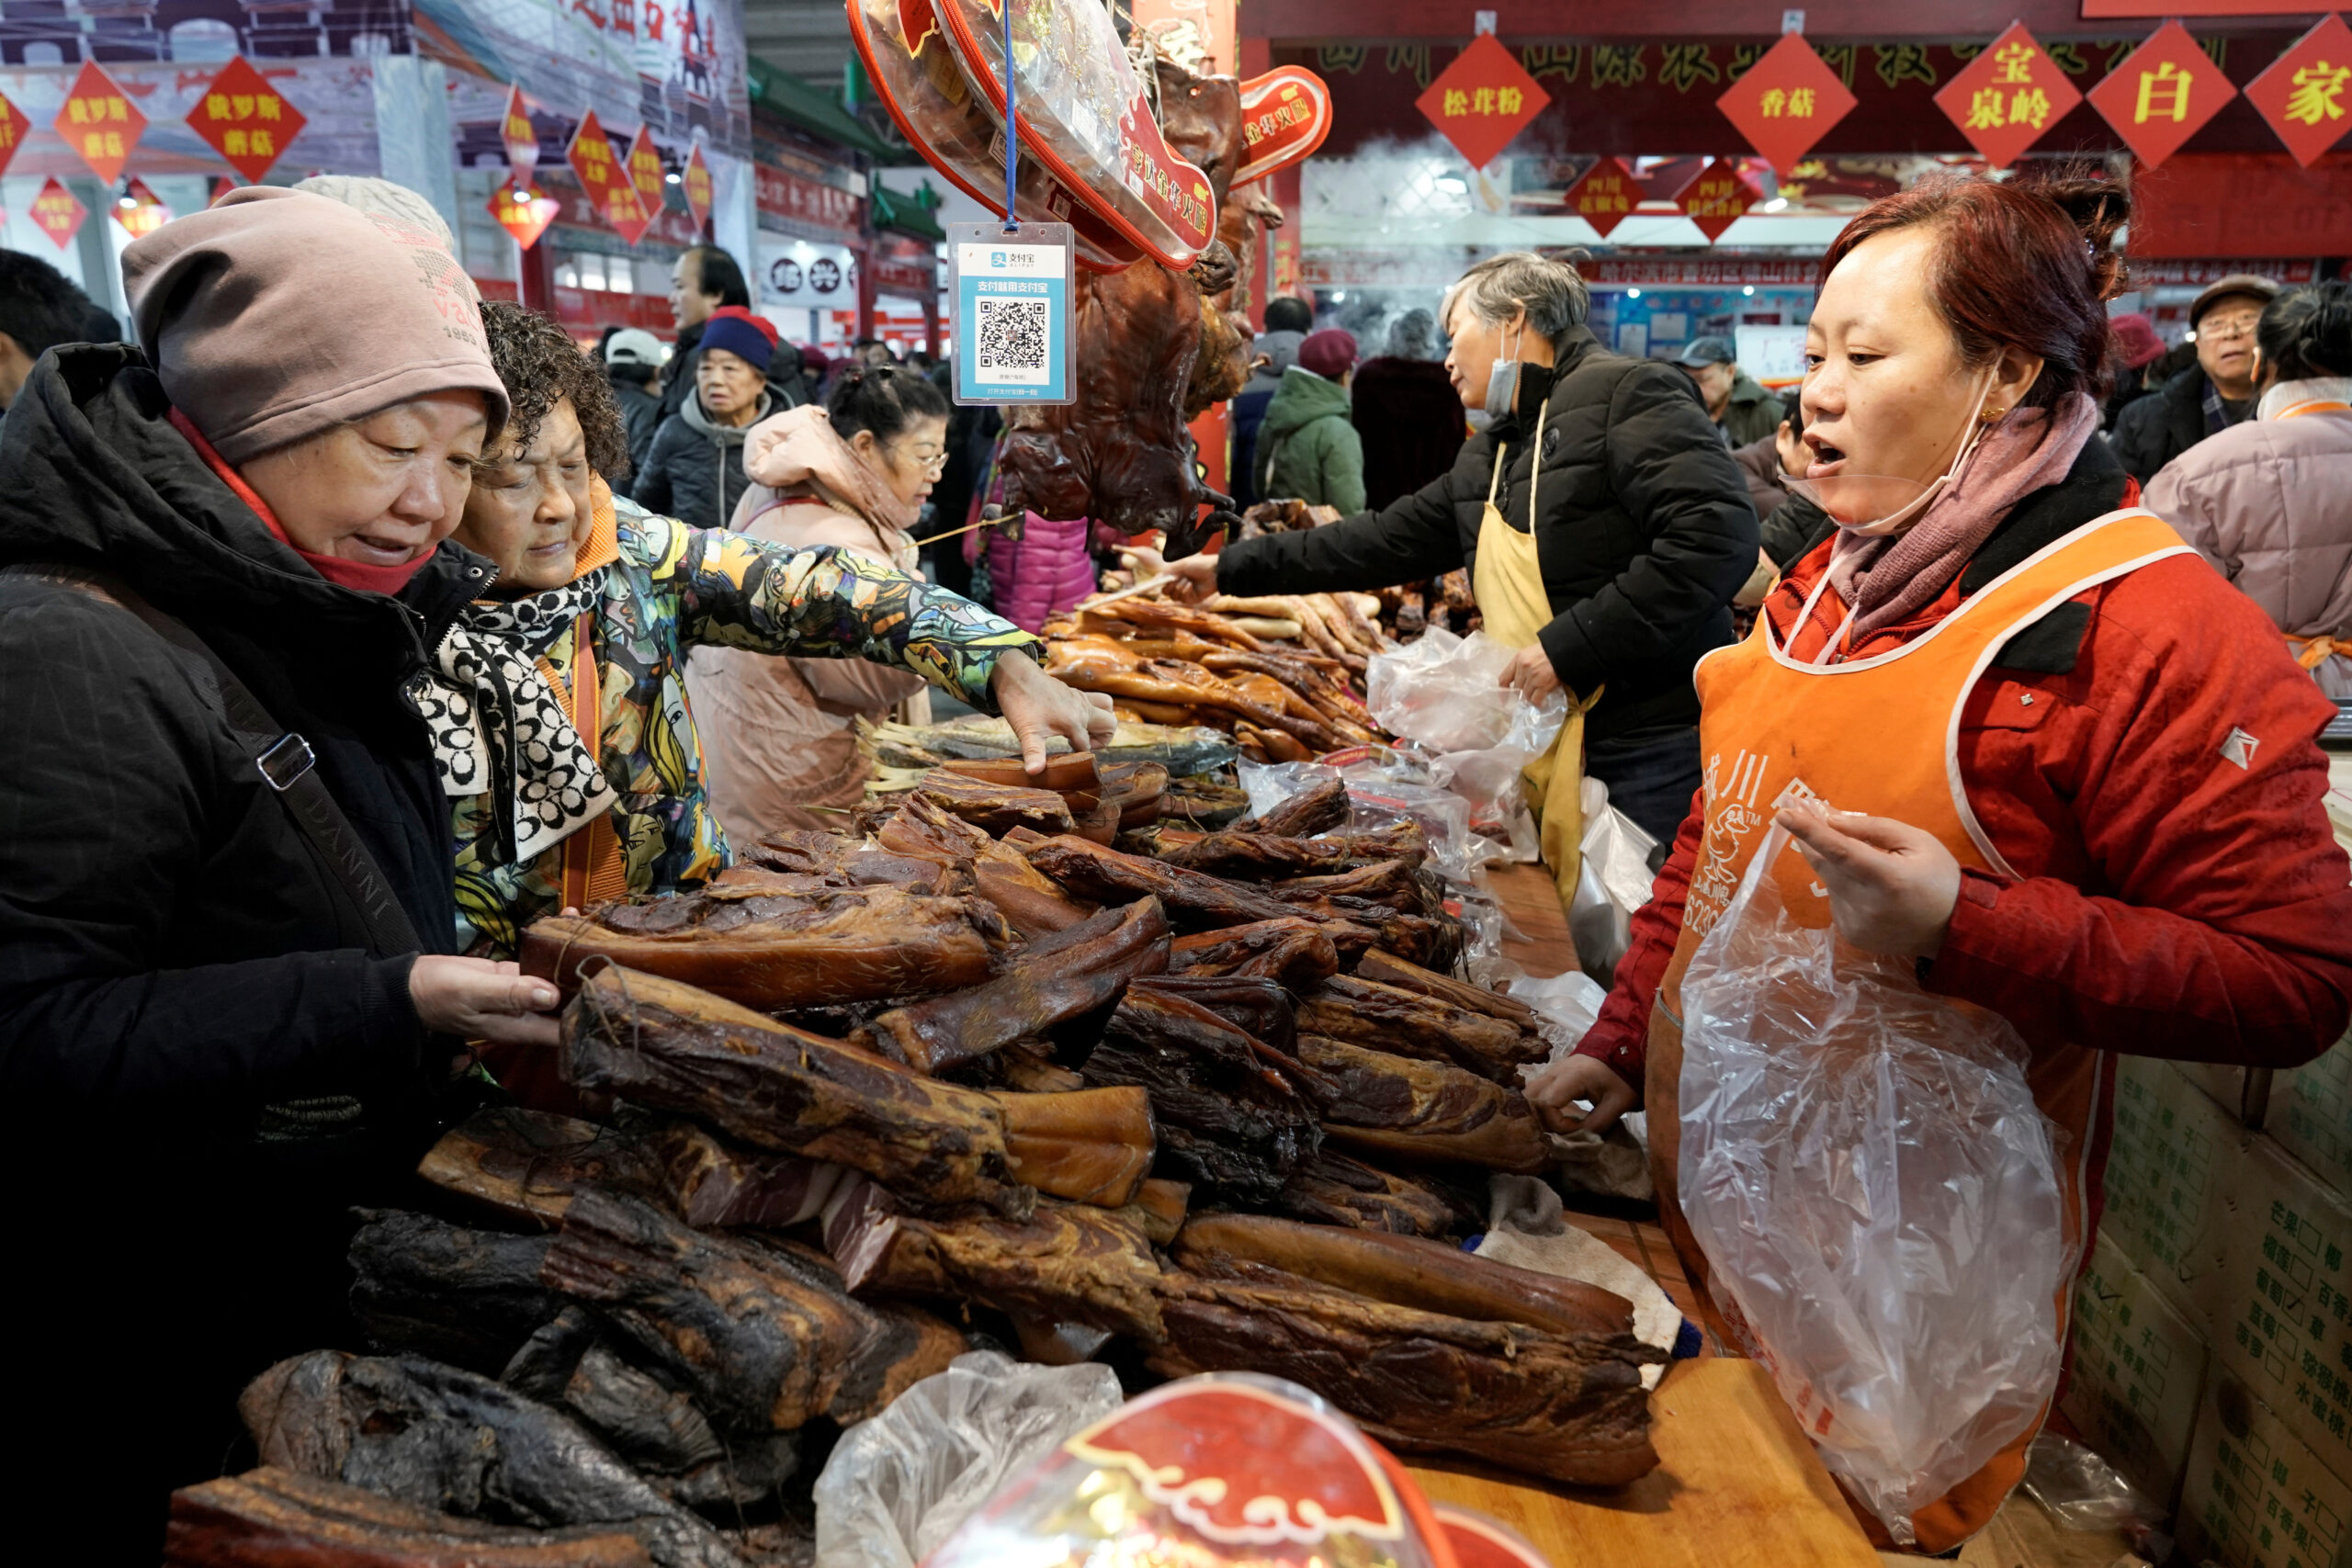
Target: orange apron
{"type": "Point", "coordinates": [1879, 736]}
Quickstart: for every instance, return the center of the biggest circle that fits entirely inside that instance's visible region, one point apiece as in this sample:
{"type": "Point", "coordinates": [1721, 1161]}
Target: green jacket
{"type": "Point", "coordinates": [1308, 448]}
{"type": "Point", "coordinates": [1752, 414]}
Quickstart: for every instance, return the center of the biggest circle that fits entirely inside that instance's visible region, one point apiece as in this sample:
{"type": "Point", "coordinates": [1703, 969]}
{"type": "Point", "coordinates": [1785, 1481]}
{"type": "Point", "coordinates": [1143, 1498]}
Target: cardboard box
{"type": "Point", "coordinates": [2226, 1086]}
{"type": "Point", "coordinates": [2256, 1496]}
{"type": "Point", "coordinates": [2311, 1114]}
{"type": "Point", "coordinates": [2169, 1176]}
{"type": "Point", "coordinates": [2139, 1372]}
{"type": "Point", "coordinates": [2288, 1334]}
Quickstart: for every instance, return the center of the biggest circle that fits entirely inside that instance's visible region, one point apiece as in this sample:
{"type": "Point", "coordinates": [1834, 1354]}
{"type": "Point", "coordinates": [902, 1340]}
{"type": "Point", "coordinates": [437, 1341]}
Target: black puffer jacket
{"type": "Point", "coordinates": [694, 472]}
{"type": "Point", "coordinates": [1643, 530]}
{"type": "Point", "coordinates": [2153, 430]}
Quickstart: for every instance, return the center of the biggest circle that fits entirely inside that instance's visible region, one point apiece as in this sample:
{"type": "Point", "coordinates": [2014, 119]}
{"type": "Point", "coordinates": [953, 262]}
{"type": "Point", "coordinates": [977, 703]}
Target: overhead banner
{"type": "Point", "coordinates": [2007, 96]}
{"type": "Point", "coordinates": [1483, 100]}
{"type": "Point", "coordinates": [1786, 102]}
{"type": "Point", "coordinates": [2301, 96]}
{"type": "Point", "coordinates": [246, 119]}
{"type": "Point", "coordinates": [13, 126]}
{"type": "Point", "coordinates": [99, 122]}
{"type": "Point", "coordinates": [58, 213]}
{"type": "Point", "coordinates": [2163, 94]}
{"type": "Point", "coordinates": [606, 181]}
{"type": "Point", "coordinates": [1606, 195]}
{"type": "Point", "coordinates": [1717, 199]}
{"type": "Point", "coordinates": [523, 211]}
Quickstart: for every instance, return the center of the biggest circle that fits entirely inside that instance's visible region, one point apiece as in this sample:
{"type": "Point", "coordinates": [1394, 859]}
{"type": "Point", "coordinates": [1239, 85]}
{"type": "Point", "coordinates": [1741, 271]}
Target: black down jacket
{"type": "Point", "coordinates": [1642, 527]}
{"type": "Point", "coordinates": [694, 472]}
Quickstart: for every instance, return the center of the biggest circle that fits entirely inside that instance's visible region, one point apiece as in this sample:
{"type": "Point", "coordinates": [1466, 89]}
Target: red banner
{"type": "Point", "coordinates": [1715, 200]}
{"type": "Point", "coordinates": [698, 184]}
{"type": "Point", "coordinates": [1786, 102]}
{"type": "Point", "coordinates": [13, 126]}
{"type": "Point", "coordinates": [245, 120]}
{"type": "Point", "coordinates": [523, 211]}
{"type": "Point", "coordinates": [1605, 197]}
{"type": "Point", "coordinates": [99, 121]}
{"type": "Point", "coordinates": [645, 171]}
{"type": "Point", "coordinates": [1286, 115]}
{"type": "Point", "coordinates": [58, 213]}
{"type": "Point", "coordinates": [521, 141]}
{"type": "Point", "coordinates": [784, 194]}
{"type": "Point", "coordinates": [2250, 205]}
{"type": "Point", "coordinates": [2301, 96]}
{"type": "Point", "coordinates": [140, 210]}
{"type": "Point", "coordinates": [2163, 94]}
{"type": "Point", "coordinates": [606, 181]}
{"type": "Point", "coordinates": [2007, 96]}
{"type": "Point", "coordinates": [1482, 100]}
{"type": "Point", "coordinates": [896, 275]}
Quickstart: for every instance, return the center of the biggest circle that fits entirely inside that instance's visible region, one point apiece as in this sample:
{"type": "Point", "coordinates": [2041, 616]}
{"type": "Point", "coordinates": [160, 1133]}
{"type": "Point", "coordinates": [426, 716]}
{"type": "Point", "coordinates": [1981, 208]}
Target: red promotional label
{"type": "Point", "coordinates": [697, 183]}
{"type": "Point", "coordinates": [523, 211]}
{"type": "Point", "coordinates": [58, 213]}
{"type": "Point", "coordinates": [1286, 115]}
{"type": "Point", "coordinates": [245, 120]}
{"type": "Point", "coordinates": [645, 171]}
{"type": "Point", "coordinates": [2007, 96]}
{"type": "Point", "coordinates": [2163, 94]}
{"type": "Point", "coordinates": [605, 180]}
{"type": "Point", "coordinates": [1482, 100]}
{"type": "Point", "coordinates": [1606, 197]}
{"type": "Point", "coordinates": [99, 121]}
{"type": "Point", "coordinates": [140, 212]}
{"type": "Point", "coordinates": [1717, 199]}
{"type": "Point", "coordinates": [12, 128]}
{"type": "Point", "coordinates": [521, 141]}
{"type": "Point", "coordinates": [782, 194]}
{"type": "Point", "coordinates": [2302, 92]}
{"type": "Point", "coordinates": [1787, 102]}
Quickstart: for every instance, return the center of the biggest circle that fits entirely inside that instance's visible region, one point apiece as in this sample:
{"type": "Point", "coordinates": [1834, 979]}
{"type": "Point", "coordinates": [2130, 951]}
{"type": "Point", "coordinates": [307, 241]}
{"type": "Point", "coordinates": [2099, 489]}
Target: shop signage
{"type": "Point", "coordinates": [2163, 94]}
{"type": "Point", "coordinates": [1012, 302]}
{"type": "Point", "coordinates": [1196, 34]}
{"type": "Point", "coordinates": [696, 181]}
{"type": "Point", "coordinates": [523, 210]}
{"type": "Point", "coordinates": [1786, 102]}
{"type": "Point", "coordinates": [12, 128]}
{"type": "Point", "coordinates": [1286, 115]}
{"type": "Point", "coordinates": [2148, 273]}
{"type": "Point", "coordinates": [798, 272]}
{"type": "Point", "coordinates": [99, 121]}
{"type": "Point", "coordinates": [2007, 96]}
{"type": "Point", "coordinates": [58, 213]}
{"type": "Point", "coordinates": [902, 276]}
{"type": "Point", "coordinates": [782, 194]}
{"type": "Point", "coordinates": [515, 132]}
{"type": "Point", "coordinates": [2210, 204]}
{"type": "Point", "coordinates": [1606, 195]}
{"type": "Point", "coordinates": [1482, 100]}
{"type": "Point", "coordinates": [1715, 200]}
{"type": "Point", "coordinates": [245, 120]}
{"type": "Point", "coordinates": [645, 170]}
{"type": "Point", "coordinates": [606, 179]}
{"type": "Point", "coordinates": [2303, 93]}
{"type": "Point", "coordinates": [139, 211]}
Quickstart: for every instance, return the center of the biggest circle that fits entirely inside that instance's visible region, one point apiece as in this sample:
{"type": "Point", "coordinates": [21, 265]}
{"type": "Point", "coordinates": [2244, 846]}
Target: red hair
{"type": "Point", "coordinates": [2027, 261]}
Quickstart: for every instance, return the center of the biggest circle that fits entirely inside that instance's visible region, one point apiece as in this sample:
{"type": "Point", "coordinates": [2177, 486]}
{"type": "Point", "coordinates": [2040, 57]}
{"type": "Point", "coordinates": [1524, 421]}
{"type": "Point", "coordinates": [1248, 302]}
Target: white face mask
{"type": "Point", "coordinates": [1502, 381]}
{"type": "Point", "coordinates": [1874, 505]}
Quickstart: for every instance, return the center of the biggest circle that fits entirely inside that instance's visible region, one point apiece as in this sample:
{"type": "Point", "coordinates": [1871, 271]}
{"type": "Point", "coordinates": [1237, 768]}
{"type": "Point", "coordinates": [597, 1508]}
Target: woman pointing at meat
{"type": "Point", "coordinates": [2074, 769]}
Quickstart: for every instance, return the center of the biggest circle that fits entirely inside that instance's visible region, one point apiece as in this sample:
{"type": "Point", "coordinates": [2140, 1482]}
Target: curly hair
{"type": "Point", "coordinates": [540, 366]}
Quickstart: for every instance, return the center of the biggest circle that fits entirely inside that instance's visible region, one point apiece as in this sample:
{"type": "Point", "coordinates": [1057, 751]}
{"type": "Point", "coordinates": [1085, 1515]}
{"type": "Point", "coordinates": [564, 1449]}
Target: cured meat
{"type": "Point", "coordinates": [1192, 901]}
{"type": "Point", "coordinates": [787, 1091]}
{"type": "Point", "coordinates": [1136, 788]}
{"type": "Point", "coordinates": [1067, 1263]}
{"type": "Point", "coordinates": [1293, 951]}
{"type": "Point", "coordinates": [1229, 1119]}
{"type": "Point", "coordinates": [1390, 970]}
{"type": "Point", "coordinates": [1072, 771]}
{"type": "Point", "coordinates": [526, 1165]}
{"type": "Point", "coordinates": [994, 807]}
{"type": "Point", "coordinates": [1160, 1207]}
{"type": "Point", "coordinates": [1056, 978]}
{"type": "Point", "coordinates": [762, 1341]}
{"type": "Point", "coordinates": [839, 861]}
{"type": "Point", "coordinates": [1030, 904]}
{"type": "Point", "coordinates": [1260, 1009]}
{"type": "Point", "coordinates": [1384, 1104]}
{"type": "Point", "coordinates": [468, 1297]}
{"type": "Point", "coordinates": [1408, 1272]}
{"type": "Point", "coordinates": [1388, 882]}
{"type": "Point", "coordinates": [1267, 856]}
{"type": "Point", "coordinates": [1566, 1408]}
{"type": "Point", "coordinates": [1409, 1023]}
{"type": "Point", "coordinates": [1318, 809]}
{"type": "Point", "coordinates": [1175, 682]}
{"type": "Point", "coordinates": [279, 1518]}
{"type": "Point", "coordinates": [1358, 926]}
{"type": "Point", "coordinates": [1333, 1189]}
{"type": "Point", "coordinates": [441, 1438]}
{"type": "Point", "coordinates": [711, 1184]}
{"type": "Point", "coordinates": [774, 953]}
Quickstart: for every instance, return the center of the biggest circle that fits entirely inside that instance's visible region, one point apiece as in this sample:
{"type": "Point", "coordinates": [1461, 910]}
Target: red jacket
{"type": "Point", "coordinates": [2189, 907]}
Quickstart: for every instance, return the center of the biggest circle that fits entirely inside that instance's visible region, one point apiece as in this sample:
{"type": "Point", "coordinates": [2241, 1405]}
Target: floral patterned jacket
{"type": "Point", "coordinates": [675, 588]}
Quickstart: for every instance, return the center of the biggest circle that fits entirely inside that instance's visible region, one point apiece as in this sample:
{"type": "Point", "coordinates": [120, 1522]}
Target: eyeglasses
{"type": "Point", "coordinates": [2227, 328]}
{"type": "Point", "coordinates": [932, 462]}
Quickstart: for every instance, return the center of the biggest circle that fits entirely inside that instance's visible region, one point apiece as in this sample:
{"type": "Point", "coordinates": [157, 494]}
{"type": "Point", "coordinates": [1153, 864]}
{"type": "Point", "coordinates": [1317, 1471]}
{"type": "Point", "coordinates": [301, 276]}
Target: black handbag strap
{"type": "Point", "coordinates": [283, 758]}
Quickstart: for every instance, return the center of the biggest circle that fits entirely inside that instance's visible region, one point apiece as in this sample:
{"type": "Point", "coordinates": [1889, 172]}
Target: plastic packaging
{"type": "Point", "coordinates": [898, 1484]}
{"type": "Point", "coordinates": [2081, 1491]}
{"type": "Point", "coordinates": [1385, 785]}
{"type": "Point", "coordinates": [1877, 1196]}
{"type": "Point", "coordinates": [1447, 692]}
{"type": "Point", "coordinates": [1613, 881]}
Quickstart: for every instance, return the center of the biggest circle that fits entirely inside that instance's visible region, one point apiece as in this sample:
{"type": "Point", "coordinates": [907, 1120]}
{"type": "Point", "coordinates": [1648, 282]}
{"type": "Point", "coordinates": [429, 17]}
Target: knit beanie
{"type": "Point", "coordinates": [1330, 352]}
{"type": "Point", "coordinates": [740, 333]}
{"type": "Point", "coordinates": [2136, 342]}
{"type": "Point", "coordinates": [277, 315]}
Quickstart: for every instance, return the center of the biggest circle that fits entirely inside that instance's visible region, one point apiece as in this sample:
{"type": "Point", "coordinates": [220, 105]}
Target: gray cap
{"type": "Point", "coordinates": [1707, 351]}
{"type": "Point", "coordinates": [633, 345]}
{"type": "Point", "coordinates": [2263, 289]}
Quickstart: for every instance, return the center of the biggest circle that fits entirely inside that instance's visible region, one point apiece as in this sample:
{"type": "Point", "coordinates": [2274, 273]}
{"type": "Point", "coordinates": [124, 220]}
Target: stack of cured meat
{"type": "Point", "coordinates": [1217, 1106]}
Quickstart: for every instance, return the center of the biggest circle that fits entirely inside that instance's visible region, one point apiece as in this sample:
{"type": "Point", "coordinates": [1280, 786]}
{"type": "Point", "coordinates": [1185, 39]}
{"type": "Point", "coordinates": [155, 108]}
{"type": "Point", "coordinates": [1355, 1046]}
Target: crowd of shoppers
{"type": "Point", "coordinates": [2208, 396]}
{"type": "Point", "coordinates": [1307, 447]}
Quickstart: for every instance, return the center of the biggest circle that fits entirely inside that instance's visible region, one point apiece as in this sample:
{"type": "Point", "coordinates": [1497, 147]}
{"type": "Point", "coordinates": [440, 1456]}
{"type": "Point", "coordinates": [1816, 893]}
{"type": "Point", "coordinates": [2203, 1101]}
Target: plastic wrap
{"type": "Point", "coordinates": [2081, 1491]}
{"type": "Point", "coordinates": [898, 1484]}
{"type": "Point", "coordinates": [1385, 785]}
{"type": "Point", "coordinates": [1877, 1196]}
{"type": "Point", "coordinates": [1613, 880]}
{"type": "Point", "coordinates": [1447, 692]}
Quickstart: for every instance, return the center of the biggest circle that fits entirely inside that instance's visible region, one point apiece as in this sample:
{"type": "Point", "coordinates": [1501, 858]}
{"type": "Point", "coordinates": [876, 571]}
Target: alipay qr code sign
{"type": "Point", "coordinates": [1013, 313]}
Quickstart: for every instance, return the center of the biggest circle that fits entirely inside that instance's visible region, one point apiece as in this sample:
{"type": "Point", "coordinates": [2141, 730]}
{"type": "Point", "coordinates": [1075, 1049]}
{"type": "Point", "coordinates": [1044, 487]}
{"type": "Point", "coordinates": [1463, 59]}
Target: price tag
{"type": "Point", "coordinates": [1013, 311]}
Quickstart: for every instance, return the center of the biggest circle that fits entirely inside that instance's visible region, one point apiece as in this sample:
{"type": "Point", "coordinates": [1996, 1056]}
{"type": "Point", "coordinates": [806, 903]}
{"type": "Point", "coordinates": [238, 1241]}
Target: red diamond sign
{"type": "Point", "coordinates": [2163, 94]}
{"type": "Point", "coordinates": [523, 210]}
{"type": "Point", "coordinates": [58, 213]}
{"type": "Point", "coordinates": [696, 179]}
{"type": "Point", "coordinates": [1787, 102]}
{"type": "Point", "coordinates": [2008, 95]}
{"type": "Point", "coordinates": [2302, 94]}
{"type": "Point", "coordinates": [245, 120]}
{"type": "Point", "coordinates": [12, 128]}
{"type": "Point", "coordinates": [140, 212]}
{"type": "Point", "coordinates": [1482, 100]}
{"type": "Point", "coordinates": [1606, 197]}
{"type": "Point", "coordinates": [1715, 200]}
{"type": "Point", "coordinates": [521, 141]}
{"type": "Point", "coordinates": [606, 181]}
{"type": "Point", "coordinates": [645, 171]}
{"type": "Point", "coordinates": [99, 121]}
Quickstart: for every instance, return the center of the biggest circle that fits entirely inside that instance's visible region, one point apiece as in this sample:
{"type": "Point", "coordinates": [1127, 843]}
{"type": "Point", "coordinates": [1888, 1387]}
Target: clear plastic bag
{"type": "Point", "coordinates": [898, 1484]}
{"type": "Point", "coordinates": [1383, 786]}
{"type": "Point", "coordinates": [1877, 1195]}
{"type": "Point", "coordinates": [1613, 881]}
{"type": "Point", "coordinates": [1447, 692]}
{"type": "Point", "coordinates": [2081, 1491]}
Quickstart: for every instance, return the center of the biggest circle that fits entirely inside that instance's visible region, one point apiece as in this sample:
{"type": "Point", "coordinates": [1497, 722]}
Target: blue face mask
{"type": "Point", "coordinates": [1502, 383]}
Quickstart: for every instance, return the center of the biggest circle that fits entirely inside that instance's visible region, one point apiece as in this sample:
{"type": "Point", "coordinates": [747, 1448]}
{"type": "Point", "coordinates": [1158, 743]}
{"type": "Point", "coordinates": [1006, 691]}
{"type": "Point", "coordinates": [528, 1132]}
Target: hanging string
{"type": "Point", "coordinates": [1012, 124]}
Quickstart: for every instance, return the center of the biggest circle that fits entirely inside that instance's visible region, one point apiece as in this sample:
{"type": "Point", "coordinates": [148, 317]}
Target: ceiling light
{"type": "Point", "coordinates": [1632, 294]}
{"type": "Point", "coordinates": [1778, 204]}
{"type": "Point", "coordinates": [671, 178]}
{"type": "Point", "coordinates": [1748, 289]}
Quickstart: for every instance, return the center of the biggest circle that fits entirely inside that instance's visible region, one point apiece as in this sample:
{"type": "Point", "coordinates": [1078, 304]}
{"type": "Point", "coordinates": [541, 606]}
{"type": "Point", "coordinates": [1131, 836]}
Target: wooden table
{"type": "Point", "coordinates": [1528, 896]}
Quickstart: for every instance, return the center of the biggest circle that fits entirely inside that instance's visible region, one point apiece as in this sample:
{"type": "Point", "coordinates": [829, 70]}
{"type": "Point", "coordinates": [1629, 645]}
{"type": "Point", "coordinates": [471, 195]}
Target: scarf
{"type": "Point", "coordinates": [1891, 578]}
{"type": "Point", "coordinates": [385, 579]}
{"type": "Point", "coordinates": [2284, 395]}
{"type": "Point", "coordinates": [800, 447]}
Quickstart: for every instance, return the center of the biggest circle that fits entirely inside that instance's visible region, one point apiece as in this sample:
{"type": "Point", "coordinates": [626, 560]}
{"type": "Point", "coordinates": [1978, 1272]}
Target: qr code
{"type": "Point", "coordinates": [1013, 338]}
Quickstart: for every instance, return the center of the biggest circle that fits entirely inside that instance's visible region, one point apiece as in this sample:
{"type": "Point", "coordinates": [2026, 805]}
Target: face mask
{"type": "Point", "coordinates": [1502, 382]}
{"type": "Point", "coordinates": [1875, 505]}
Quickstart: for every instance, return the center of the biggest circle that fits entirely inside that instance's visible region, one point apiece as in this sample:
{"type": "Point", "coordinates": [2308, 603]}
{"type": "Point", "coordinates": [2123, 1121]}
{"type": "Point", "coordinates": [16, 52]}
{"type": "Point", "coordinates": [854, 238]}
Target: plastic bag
{"type": "Point", "coordinates": [1877, 1195]}
{"type": "Point", "coordinates": [1613, 881]}
{"type": "Point", "coordinates": [2081, 1491]}
{"type": "Point", "coordinates": [1383, 786]}
{"type": "Point", "coordinates": [898, 1484]}
{"type": "Point", "coordinates": [1447, 692]}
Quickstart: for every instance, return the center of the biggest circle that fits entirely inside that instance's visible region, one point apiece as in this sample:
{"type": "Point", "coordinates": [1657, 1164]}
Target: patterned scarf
{"type": "Point", "coordinates": [499, 727]}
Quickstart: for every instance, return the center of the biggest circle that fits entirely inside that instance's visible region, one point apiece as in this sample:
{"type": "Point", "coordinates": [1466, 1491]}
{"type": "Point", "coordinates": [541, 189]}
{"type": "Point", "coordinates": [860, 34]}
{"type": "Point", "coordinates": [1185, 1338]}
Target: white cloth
{"type": "Point", "coordinates": [1526, 1227]}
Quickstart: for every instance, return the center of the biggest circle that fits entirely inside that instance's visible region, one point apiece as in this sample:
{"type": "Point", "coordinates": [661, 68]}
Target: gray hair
{"type": "Point", "coordinates": [1553, 293]}
{"type": "Point", "coordinates": [385, 199]}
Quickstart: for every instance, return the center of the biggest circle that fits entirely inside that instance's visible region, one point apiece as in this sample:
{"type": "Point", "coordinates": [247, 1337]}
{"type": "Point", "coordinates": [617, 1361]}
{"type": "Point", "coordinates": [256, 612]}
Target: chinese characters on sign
{"type": "Point", "coordinates": [521, 141]}
{"type": "Point", "coordinates": [58, 213]}
{"type": "Point", "coordinates": [605, 180]}
{"type": "Point", "coordinates": [140, 212]}
{"type": "Point", "coordinates": [13, 126]}
{"type": "Point", "coordinates": [1786, 102]}
{"type": "Point", "coordinates": [99, 121]}
{"type": "Point", "coordinates": [782, 194]}
{"type": "Point", "coordinates": [1482, 100]}
{"type": "Point", "coordinates": [523, 210]}
{"type": "Point", "coordinates": [645, 171]}
{"type": "Point", "coordinates": [1715, 200]}
{"type": "Point", "coordinates": [2007, 96]}
{"type": "Point", "coordinates": [245, 120]}
{"type": "Point", "coordinates": [1286, 115]}
{"type": "Point", "coordinates": [2302, 94]}
{"type": "Point", "coordinates": [697, 187]}
{"type": "Point", "coordinates": [1606, 195]}
{"type": "Point", "coordinates": [2163, 94]}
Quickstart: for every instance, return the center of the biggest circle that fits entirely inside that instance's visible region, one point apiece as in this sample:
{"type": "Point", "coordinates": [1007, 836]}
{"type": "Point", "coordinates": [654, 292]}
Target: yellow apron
{"type": "Point", "coordinates": [1508, 583]}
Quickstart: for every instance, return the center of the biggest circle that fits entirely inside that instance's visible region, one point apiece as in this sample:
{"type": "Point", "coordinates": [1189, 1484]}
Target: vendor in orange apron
{"type": "Point", "coordinates": [1508, 583]}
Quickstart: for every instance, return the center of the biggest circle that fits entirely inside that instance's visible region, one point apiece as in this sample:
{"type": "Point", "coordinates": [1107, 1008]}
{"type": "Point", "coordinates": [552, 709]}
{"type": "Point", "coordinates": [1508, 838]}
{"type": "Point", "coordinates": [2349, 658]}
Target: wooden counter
{"type": "Point", "coordinates": [1543, 947]}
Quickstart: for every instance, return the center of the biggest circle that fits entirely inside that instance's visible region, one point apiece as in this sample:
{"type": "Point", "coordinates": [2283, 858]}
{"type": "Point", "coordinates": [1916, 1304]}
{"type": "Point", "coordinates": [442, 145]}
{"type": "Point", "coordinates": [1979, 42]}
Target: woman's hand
{"type": "Point", "coordinates": [1554, 1092]}
{"type": "Point", "coordinates": [1195, 575]}
{"type": "Point", "coordinates": [1040, 708]}
{"type": "Point", "coordinates": [1892, 886]}
{"type": "Point", "coordinates": [1532, 675]}
{"type": "Point", "coordinates": [475, 998]}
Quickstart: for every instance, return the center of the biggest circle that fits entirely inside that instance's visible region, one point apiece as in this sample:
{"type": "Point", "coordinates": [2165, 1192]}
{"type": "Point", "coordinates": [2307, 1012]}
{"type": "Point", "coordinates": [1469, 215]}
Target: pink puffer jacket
{"type": "Point", "coordinates": [1049, 569]}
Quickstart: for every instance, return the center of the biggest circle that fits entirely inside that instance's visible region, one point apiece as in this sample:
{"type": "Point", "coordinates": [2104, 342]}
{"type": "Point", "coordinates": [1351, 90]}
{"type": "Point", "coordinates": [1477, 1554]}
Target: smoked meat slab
{"type": "Point", "coordinates": [526, 1165]}
{"type": "Point", "coordinates": [279, 1519]}
{"type": "Point", "coordinates": [1385, 1104]}
{"type": "Point", "coordinates": [1333, 1189]}
{"type": "Point", "coordinates": [1292, 949]}
{"type": "Point", "coordinates": [1409, 1023]}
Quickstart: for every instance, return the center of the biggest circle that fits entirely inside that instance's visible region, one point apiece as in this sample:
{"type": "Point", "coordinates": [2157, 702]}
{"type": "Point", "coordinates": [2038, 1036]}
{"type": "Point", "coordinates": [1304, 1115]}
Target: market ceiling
{"type": "Point", "coordinates": [808, 37]}
{"type": "Point", "coordinates": [1368, 21]}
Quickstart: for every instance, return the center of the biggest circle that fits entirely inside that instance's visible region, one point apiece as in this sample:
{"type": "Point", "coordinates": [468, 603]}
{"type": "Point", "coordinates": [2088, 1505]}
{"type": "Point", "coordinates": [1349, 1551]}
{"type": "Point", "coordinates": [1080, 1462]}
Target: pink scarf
{"type": "Point", "coordinates": [1888, 580]}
